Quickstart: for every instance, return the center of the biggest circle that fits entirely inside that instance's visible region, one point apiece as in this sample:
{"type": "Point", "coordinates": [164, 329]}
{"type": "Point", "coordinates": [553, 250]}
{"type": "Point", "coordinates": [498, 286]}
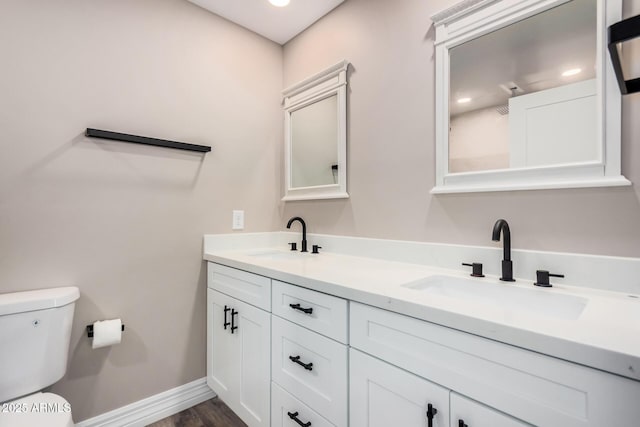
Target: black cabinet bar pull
{"type": "Point", "coordinates": [226, 309]}
{"type": "Point", "coordinates": [233, 325]}
{"type": "Point", "coordinates": [294, 417]}
{"type": "Point", "coordinates": [296, 359]}
{"type": "Point", "coordinates": [431, 413]}
{"type": "Point", "coordinates": [304, 310]}
{"type": "Point", "coordinates": [461, 423]}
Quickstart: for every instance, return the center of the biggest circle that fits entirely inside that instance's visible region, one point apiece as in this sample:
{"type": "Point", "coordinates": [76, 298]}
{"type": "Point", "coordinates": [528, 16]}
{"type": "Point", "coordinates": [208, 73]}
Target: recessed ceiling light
{"type": "Point", "coordinates": [463, 100]}
{"type": "Point", "coordinates": [279, 3]}
{"type": "Point", "coordinates": [572, 72]}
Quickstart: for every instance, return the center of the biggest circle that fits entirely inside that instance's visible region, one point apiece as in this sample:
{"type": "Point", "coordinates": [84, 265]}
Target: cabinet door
{"type": "Point", "coordinates": [382, 395]}
{"type": "Point", "coordinates": [254, 339]}
{"type": "Point", "coordinates": [469, 413]}
{"type": "Point", "coordinates": [222, 353]}
{"type": "Point", "coordinates": [238, 360]}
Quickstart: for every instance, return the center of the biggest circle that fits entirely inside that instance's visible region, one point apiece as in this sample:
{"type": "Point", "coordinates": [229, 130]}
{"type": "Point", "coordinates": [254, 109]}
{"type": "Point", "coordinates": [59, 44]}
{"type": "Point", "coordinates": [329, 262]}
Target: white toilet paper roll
{"type": "Point", "coordinates": [107, 332]}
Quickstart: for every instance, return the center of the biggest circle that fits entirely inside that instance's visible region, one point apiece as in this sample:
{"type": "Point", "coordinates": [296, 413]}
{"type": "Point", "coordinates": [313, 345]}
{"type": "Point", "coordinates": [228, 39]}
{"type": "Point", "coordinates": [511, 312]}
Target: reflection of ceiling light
{"type": "Point", "coordinates": [463, 100]}
{"type": "Point", "coordinates": [279, 3]}
{"type": "Point", "coordinates": [572, 72]}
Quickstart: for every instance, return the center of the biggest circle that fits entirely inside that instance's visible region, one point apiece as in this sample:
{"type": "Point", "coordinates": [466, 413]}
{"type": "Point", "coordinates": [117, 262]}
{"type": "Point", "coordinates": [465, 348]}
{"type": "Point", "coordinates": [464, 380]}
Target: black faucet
{"type": "Point", "coordinates": [304, 231]}
{"type": "Point", "coordinates": [507, 265]}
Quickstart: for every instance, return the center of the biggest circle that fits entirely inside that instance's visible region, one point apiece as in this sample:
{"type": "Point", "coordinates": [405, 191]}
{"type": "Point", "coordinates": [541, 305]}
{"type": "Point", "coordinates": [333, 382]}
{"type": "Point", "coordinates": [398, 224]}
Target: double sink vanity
{"type": "Point", "coordinates": [354, 336]}
{"type": "Point", "coordinates": [340, 331]}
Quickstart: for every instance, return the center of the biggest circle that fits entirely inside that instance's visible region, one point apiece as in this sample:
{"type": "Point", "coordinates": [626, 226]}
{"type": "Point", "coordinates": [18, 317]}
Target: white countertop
{"type": "Point", "coordinates": [605, 335]}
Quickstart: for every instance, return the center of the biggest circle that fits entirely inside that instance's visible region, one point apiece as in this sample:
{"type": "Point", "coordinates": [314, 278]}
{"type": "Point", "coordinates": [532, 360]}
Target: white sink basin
{"type": "Point", "coordinates": [506, 296]}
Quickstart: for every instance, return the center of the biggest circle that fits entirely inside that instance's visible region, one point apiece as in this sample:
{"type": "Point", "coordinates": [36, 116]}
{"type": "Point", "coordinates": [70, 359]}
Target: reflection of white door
{"type": "Point", "coordinates": [554, 126]}
{"type": "Point", "coordinates": [382, 395]}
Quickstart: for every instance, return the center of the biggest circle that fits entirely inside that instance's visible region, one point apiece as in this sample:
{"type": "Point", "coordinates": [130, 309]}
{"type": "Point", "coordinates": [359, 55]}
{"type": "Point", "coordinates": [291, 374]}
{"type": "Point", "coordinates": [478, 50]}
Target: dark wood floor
{"type": "Point", "coordinates": [210, 413]}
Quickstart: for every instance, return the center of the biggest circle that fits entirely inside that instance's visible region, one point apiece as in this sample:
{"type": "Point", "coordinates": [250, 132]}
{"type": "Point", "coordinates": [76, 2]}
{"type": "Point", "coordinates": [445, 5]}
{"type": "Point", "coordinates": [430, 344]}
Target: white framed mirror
{"type": "Point", "coordinates": [526, 96]}
{"type": "Point", "coordinates": [315, 119]}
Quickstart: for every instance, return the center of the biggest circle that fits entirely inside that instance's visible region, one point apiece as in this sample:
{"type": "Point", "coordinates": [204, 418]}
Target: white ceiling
{"type": "Point", "coordinates": [279, 24]}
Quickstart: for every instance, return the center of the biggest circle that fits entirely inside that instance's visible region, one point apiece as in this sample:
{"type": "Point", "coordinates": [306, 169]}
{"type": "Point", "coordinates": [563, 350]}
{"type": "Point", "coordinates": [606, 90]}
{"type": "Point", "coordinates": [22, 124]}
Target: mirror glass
{"type": "Point", "coordinates": [526, 95]}
{"type": "Point", "coordinates": [314, 144]}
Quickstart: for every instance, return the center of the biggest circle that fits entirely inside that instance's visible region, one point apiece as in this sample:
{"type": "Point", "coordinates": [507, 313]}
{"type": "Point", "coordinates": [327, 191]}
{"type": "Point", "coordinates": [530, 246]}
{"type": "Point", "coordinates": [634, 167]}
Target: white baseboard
{"type": "Point", "coordinates": [154, 408]}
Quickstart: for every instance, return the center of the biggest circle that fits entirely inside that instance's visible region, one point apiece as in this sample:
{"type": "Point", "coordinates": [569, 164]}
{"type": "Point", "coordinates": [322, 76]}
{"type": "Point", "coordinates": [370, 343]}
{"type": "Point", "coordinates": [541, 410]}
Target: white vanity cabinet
{"type": "Point", "coordinates": [282, 355]}
{"type": "Point", "coordinates": [519, 387]}
{"type": "Point", "coordinates": [239, 343]}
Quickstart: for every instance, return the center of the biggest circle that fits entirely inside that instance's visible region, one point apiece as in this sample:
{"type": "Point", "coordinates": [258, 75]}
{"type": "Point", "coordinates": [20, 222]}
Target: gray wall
{"type": "Point", "coordinates": [124, 223]}
{"type": "Point", "coordinates": [392, 147]}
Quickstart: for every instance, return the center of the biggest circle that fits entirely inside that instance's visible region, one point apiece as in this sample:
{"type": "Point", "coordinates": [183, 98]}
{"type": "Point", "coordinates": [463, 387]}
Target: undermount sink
{"type": "Point", "coordinates": [543, 303]}
{"type": "Point", "coordinates": [275, 254]}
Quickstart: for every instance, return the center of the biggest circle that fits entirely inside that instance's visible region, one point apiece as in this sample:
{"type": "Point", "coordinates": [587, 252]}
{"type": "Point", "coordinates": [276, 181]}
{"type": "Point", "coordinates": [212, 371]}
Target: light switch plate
{"type": "Point", "coordinates": [238, 220]}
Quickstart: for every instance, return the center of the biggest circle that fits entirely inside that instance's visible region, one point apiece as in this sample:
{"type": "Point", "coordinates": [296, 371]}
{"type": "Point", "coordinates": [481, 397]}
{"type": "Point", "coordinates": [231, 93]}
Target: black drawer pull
{"type": "Point", "coordinates": [226, 309]}
{"type": "Point", "coordinates": [233, 325]}
{"type": "Point", "coordinates": [296, 359]}
{"type": "Point", "coordinates": [431, 413]}
{"type": "Point", "coordinates": [294, 417]}
{"type": "Point", "coordinates": [461, 423]}
{"type": "Point", "coordinates": [304, 310]}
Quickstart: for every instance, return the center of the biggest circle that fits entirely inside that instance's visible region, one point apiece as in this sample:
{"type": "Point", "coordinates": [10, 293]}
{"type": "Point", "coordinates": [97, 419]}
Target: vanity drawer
{"type": "Point", "coordinates": [319, 312]}
{"type": "Point", "coordinates": [245, 286]}
{"type": "Point", "coordinates": [284, 406]}
{"type": "Point", "coordinates": [530, 386]}
{"type": "Point", "coordinates": [311, 367]}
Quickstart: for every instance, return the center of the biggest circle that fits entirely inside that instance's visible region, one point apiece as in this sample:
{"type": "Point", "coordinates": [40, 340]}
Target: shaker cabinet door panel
{"type": "Point", "coordinates": [382, 395]}
{"type": "Point", "coordinates": [239, 357]}
{"type": "Point", "coordinates": [254, 336]}
{"type": "Point", "coordinates": [222, 354]}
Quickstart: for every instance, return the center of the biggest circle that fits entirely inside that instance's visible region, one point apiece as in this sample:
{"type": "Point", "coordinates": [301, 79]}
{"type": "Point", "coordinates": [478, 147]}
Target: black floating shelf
{"type": "Point", "coordinates": [105, 134]}
{"type": "Point", "coordinates": [621, 32]}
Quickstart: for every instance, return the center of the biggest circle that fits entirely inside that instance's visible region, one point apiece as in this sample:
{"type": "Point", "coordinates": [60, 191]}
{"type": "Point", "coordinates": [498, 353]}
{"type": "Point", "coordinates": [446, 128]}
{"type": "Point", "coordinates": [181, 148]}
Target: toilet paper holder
{"type": "Point", "coordinates": [90, 330]}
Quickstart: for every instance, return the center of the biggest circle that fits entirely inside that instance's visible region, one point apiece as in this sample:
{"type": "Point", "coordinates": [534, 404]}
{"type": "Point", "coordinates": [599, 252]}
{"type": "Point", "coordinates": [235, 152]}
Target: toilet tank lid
{"type": "Point", "coordinates": [41, 299]}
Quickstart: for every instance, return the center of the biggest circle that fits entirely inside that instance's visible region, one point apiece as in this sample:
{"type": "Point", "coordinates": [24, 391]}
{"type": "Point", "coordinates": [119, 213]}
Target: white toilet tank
{"type": "Point", "coordinates": [35, 330]}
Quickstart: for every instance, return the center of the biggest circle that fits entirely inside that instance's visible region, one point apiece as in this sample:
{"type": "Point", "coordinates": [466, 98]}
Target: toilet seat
{"type": "Point", "coordinates": [39, 409]}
